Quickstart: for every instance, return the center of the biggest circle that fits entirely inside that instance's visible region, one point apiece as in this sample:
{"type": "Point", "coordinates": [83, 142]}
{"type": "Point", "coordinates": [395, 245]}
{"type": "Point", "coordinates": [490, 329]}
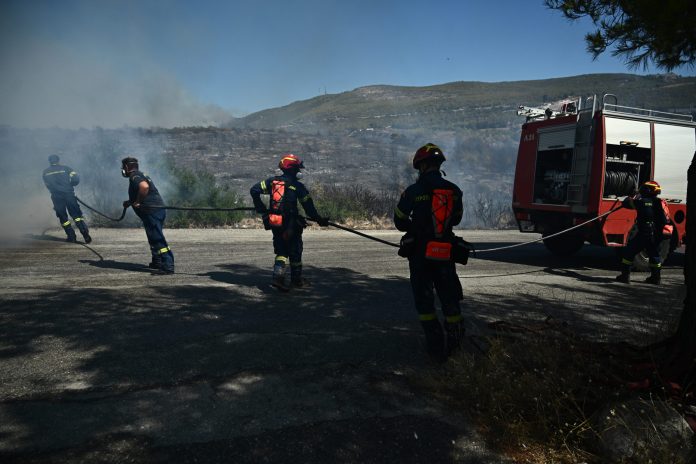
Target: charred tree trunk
{"type": "Point", "coordinates": [681, 365]}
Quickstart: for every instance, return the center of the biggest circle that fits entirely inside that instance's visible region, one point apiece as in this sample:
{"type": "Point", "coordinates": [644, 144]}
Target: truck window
{"type": "Point", "coordinates": [553, 164]}
{"type": "Point", "coordinates": [627, 156]}
{"type": "Point", "coordinates": [674, 149]}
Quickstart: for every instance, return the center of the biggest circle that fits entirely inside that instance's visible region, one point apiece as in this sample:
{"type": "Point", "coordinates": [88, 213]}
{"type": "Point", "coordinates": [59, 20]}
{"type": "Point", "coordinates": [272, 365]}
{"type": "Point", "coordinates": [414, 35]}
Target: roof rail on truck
{"type": "Point", "coordinates": [652, 114]}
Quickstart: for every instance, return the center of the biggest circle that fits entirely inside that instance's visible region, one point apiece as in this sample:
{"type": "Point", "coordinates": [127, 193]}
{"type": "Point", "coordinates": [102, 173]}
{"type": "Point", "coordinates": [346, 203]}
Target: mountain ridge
{"type": "Point", "coordinates": [382, 106]}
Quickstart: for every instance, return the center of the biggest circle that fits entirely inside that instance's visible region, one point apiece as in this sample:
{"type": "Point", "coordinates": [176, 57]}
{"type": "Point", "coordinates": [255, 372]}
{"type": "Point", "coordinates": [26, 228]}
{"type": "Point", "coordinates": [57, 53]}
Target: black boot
{"type": "Point", "coordinates": [625, 276]}
{"type": "Point", "coordinates": [655, 277]}
{"type": "Point", "coordinates": [279, 278]}
{"type": "Point", "coordinates": [455, 336]}
{"type": "Point", "coordinates": [156, 262]}
{"type": "Point", "coordinates": [70, 232]}
{"type": "Point", "coordinates": [84, 231]}
{"type": "Point", "coordinates": [296, 279]}
{"type": "Point", "coordinates": [435, 340]}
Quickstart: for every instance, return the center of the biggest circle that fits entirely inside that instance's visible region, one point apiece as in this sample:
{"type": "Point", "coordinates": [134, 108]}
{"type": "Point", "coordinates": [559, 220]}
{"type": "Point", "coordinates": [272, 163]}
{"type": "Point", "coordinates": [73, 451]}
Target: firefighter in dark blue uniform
{"type": "Point", "coordinates": [282, 217]}
{"type": "Point", "coordinates": [427, 211]}
{"type": "Point", "coordinates": [653, 226]}
{"type": "Point", "coordinates": [147, 204]}
{"type": "Point", "coordinates": [60, 181]}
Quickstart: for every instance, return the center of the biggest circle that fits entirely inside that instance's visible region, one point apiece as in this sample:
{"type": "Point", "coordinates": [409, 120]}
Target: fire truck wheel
{"type": "Point", "coordinates": [565, 244]}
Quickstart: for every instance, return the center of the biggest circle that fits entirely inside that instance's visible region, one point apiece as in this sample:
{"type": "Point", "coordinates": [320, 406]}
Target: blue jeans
{"type": "Point", "coordinates": [153, 222]}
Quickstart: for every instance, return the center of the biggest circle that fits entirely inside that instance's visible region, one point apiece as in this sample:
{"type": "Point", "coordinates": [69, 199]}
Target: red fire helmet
{"type": "Point", "coordinates": [290, 161]}
{"type": "Point", "coordinates": [428, 152]}
{"type": "Point", "coordinates": [650, 187]}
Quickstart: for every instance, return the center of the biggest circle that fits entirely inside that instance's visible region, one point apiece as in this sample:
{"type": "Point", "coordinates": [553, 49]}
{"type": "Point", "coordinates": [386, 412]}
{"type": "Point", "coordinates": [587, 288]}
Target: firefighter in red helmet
{"type": "Point", "coordinates": [653, 225]}
{"type": "Point", "coordinates": [283, 218]}
{"type": "Point", "coordinates": [427, 211]}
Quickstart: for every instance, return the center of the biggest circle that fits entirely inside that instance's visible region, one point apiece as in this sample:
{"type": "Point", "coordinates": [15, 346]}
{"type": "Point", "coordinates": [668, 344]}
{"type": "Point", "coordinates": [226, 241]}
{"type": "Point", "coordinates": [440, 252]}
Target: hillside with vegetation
{"type": "Point", "coordinates": [465, 105]}
{"type": "Point", "coordinates": [356, 144]}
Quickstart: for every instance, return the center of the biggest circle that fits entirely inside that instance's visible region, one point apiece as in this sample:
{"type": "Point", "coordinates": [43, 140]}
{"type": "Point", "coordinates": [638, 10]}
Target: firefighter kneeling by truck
{"type": "Point", "coordinates": [427, 211]}
{"type": "Point", "coordinates": [653, 226]}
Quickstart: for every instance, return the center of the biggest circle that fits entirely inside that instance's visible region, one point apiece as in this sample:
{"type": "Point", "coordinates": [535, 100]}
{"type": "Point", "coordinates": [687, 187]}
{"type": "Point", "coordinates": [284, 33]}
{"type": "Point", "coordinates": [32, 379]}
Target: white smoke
{"type": "Point", "coordinates": [45, 84]}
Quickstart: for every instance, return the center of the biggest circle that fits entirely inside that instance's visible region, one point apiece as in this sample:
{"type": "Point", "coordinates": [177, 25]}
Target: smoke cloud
{"type": "Point", "coordinates": [95, 154]}
{"type": "Point", "coordinates": [45, 84]}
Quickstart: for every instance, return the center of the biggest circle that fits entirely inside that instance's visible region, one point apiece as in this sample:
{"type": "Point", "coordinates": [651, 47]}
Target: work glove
{"type": "Point", "coordinates": [126, 203]}
{"type": "Point", "coordinates": [323, 221]}
{"type": "Point", "coordinates": [266, 221]}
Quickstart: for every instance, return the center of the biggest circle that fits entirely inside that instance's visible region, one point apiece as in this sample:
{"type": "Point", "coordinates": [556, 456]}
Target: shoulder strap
{"type": "Point", "coordinates": [442, 206]}
{"type": "Point", "coordinates": [277, 195]}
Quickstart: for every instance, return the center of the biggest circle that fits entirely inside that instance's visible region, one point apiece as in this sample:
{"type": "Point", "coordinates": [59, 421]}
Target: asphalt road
{"type": "Point", "coordinates": [102, 362]}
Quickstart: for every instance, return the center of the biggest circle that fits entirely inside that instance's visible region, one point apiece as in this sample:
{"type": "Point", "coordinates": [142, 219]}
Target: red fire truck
{"type": "Point", "coordinates": [577, 162]}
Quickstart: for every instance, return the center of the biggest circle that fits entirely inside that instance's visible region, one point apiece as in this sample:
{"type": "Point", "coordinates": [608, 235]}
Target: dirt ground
{"type": "Point", "coordinates": [102, 362]}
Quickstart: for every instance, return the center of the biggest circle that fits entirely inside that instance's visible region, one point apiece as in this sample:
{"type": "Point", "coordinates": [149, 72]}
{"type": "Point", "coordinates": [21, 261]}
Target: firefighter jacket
{"type": "Point", "coordinates": [414, 214]}
{"type": "Point", "coordinates": [60, 179]}
{"type": "Point", "coordinates": [652, 215]}
{"type": "Point", "coordinates": [152, 201]}
{"type": "Point", "coordinates": [285, 191]}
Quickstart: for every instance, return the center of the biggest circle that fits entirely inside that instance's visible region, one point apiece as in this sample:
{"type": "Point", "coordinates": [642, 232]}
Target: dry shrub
{"type": "Point", "coordinates": [531, 397]}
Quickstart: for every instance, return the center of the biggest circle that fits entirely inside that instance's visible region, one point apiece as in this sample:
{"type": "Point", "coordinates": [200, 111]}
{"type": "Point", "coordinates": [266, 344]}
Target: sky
{"type": "Point", "coordinates": [85, 63]}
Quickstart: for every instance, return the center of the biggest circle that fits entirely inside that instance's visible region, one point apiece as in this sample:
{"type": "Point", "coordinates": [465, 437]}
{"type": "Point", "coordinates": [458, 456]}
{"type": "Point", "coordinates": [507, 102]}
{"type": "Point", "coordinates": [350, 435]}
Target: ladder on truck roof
{"type": "Point", "coordinates": [582, 160]}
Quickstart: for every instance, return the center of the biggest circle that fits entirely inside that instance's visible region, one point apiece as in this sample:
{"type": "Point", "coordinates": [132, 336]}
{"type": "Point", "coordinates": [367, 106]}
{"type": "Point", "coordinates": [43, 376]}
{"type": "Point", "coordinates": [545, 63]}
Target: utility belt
{"type": "Point", "coordinates": [444, 249]}
{"type": "Point", "coordinates": [650, 227]}
{"type": "Point", "coordinates": [283, 221]}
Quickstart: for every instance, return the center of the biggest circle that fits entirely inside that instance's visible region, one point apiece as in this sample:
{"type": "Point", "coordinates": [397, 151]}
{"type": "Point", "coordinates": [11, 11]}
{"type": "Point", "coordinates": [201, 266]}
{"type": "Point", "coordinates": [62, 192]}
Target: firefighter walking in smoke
{"type": "Point", "coordinates": [60, 181]}
{"type": "Point", "coordinates": [282, 217]}
{"type": "Point", "coordinates": [653, 226]}
{"type": "Point", "coordinates": [427, 211]}
{"type": "Point", "coordinates": [147, 204]}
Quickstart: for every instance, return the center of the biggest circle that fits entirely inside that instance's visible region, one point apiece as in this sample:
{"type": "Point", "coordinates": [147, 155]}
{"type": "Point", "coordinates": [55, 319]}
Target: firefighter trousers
{"type": "Point", "coordinates": [153, 222]}
{"type": "Point", "coordinates": [64, 204]}
{"type": "Point", "coordinates": [643, 241]}
{"type": "Point", "coordinates": [430, 277]}
{"type": "Point", "coordinates": [288, 246]}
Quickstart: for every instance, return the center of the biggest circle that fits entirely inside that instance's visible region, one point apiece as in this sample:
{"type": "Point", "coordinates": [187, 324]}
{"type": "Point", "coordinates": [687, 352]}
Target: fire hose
{"type": "Point", "coordinates": [552, 235]}
{"type": "Point", "coordinates": [353, 231]}
{"type": "Point", "coordinates": [475, 251]}
{"type": "Point", "coordinates": [175, 208]}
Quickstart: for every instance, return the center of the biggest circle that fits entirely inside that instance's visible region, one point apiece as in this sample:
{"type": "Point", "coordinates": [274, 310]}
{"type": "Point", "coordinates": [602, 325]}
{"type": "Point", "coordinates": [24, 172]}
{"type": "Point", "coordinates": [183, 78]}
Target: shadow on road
{"type": "Point", "coordinates": [187, 341]}
{"type": "Point", "coordinates": [43, 237]}
{"type": "Point", "coordinates": [536, 254]}
{"type": "Point", "coordinates": [119, 265]}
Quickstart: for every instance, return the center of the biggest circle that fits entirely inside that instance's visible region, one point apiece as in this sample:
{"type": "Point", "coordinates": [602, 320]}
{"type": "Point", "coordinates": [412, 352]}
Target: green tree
{"type": "Point", "coordinates": [664, 33]}
{"type": "Point", "coordinates": [641, 31]}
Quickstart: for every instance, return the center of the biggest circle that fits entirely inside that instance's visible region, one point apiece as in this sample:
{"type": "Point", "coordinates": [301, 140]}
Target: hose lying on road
{"type": "Point", "coordinates": [361, 234]}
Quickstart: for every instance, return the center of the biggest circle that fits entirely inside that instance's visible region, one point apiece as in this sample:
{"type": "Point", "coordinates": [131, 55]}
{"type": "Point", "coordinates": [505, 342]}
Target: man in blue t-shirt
{"type": "Point", "coordinates": [147, 204]}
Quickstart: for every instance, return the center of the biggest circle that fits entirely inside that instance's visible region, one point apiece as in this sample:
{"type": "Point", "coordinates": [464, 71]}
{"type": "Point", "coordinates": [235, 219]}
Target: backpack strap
{"type": "Point", "coordinates": [277, 203]}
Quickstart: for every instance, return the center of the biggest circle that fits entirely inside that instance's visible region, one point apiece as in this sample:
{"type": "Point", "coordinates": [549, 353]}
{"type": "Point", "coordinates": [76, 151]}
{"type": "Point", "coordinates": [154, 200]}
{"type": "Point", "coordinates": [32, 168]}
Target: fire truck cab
{"type": "Point", "coordinates": [577, 162]}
